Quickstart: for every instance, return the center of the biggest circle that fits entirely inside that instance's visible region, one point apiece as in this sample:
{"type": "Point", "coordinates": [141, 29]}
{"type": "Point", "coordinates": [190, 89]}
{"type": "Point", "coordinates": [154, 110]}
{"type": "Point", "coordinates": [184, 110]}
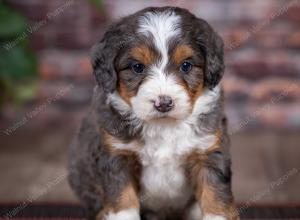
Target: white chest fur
{"type": "Point", "coordinates": [163, 179]}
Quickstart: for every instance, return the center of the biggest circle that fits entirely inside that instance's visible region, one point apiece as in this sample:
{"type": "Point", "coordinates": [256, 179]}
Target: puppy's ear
{"type": "Point", "coordinates": [211, 44]}
{"type": "Point", "coordinates": [103, 55]}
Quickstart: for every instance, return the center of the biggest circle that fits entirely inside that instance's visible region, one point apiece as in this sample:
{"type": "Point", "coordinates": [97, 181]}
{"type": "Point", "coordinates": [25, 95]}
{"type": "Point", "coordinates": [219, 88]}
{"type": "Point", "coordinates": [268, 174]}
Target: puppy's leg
{"type": "Point", "coordinates": [215, 204]}
{"type": "Point", "coordinates": [126, 206]}
{"type": "Point", "coordinates": [211, 178]}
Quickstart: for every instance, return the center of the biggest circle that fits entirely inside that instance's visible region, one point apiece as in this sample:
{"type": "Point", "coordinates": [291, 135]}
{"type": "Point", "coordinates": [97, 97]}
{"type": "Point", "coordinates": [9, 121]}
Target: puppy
{"type": "Point", "coordinates": [154, 144]}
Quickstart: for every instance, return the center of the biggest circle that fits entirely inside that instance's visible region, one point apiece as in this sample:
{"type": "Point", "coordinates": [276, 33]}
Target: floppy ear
{"type": "Point", "coordinates": [103, 55]}
{"type": "Point", "coordinates": [211, 45]}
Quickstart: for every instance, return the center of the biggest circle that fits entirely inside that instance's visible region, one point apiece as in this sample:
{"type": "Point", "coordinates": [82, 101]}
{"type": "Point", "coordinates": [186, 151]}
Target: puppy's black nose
{"type": "Point", "coordinates": [164, 103]}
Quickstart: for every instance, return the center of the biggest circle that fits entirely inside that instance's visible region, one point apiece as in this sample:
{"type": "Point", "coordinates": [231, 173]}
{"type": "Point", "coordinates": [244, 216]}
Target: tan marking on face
{"type": "Point", "coordinates": [193, 94]}
{"type": "Point", "coordinates": [143, 54]}
{"type": "Point", "coordinates": [186, 88]}
{"type": "Point", "coordinates": [181, 53]}
{"type": "Point", "coordinates": [197, 93]}
{"type": "Point", "coordinates": [124, 92]}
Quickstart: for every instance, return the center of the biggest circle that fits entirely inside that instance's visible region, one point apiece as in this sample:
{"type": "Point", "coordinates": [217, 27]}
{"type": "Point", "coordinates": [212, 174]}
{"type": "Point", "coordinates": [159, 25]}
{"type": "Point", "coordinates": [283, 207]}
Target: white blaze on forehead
{"type": "Point", "coordinates": [161, 26]}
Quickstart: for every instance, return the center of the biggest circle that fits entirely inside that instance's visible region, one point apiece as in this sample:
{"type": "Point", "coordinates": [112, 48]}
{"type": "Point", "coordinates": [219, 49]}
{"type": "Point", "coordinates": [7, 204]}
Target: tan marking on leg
{"type": "Point", "coordinates": [210, 204]}
{"type": "Point", "coordinates": [127, 199]}
{"type": "Point", "coordinates": [196, 164]}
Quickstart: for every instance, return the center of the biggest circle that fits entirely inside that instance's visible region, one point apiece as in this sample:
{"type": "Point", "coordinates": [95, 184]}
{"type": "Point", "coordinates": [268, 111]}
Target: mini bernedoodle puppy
{"type": "Point", "coordinates": [154, 144]}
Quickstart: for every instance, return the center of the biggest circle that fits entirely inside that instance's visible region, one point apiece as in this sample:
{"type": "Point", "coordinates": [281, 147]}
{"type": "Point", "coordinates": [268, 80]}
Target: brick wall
{"type": "Point", "coordinates": [262, 42]}
{"type": "Point", "coordinates": [65, 24]}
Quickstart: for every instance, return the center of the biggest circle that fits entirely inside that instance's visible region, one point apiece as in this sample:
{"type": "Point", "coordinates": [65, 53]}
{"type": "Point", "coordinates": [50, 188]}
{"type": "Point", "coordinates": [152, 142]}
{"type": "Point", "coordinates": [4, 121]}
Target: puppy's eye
{"type": "Point", "coordinates": [186, 67]}
{"type": "Point", "coordinates": [138, 68]}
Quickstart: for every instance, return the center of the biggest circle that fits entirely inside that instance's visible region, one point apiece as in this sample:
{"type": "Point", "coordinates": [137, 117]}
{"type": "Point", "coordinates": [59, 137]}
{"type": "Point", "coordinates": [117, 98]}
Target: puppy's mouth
{"type": "Point", "coordinates": [161, 115]}
{"type": "Point", "coordinates": [162, 118]}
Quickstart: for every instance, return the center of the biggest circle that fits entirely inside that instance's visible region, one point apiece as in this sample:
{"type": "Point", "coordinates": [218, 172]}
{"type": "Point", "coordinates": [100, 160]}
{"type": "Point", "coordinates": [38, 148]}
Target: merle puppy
{"type": "Point", "coordinates": [154, 143]}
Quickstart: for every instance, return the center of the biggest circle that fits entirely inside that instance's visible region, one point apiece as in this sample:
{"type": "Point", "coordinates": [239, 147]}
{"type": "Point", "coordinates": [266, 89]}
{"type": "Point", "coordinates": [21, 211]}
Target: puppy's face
{"type": "Point", "coordinates": [161, 62]}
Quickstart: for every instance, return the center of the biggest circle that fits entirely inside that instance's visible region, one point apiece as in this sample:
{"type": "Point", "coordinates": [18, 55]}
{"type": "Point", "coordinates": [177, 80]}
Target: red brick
{"type": "Point", "coordinates": [255, 64]}
{"type": "Point", "coordinates": [61, 65]}
{"type": "Point", "coordinates": [64, 28]}
{"type": "Point", "coordinates": [294, 40]}
{"type": "Point", "coordinates": [280, 116]}
{"type": "Point", "coordinates": [271, 38]}
{"type": "Point", "coordinates": [33, 10]}
{"type": "Point", "coordinates": [293, 14]}
{"type": "Point", "coordinates": [236, 89]}
{"type": "Point", "coordinates": [276, 90]}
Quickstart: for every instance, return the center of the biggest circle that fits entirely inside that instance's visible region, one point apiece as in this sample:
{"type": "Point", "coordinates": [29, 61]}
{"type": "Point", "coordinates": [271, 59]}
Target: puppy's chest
{"type": "Point", "coordinates": [162, 155]}
{"type": "Point", "coordinates": [163, 180]}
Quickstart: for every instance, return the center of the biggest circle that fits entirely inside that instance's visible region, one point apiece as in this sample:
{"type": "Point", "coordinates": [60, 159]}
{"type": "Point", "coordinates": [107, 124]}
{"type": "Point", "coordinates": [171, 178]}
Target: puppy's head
{"type": "Point", "coordinates": [159, 61]}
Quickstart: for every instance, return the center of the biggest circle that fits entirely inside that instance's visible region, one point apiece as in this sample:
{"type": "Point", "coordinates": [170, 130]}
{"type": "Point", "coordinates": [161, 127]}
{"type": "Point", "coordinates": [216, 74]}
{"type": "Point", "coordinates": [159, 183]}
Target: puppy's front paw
{"type": "Point", "coordinates": [128, 214]}
{"type": "Point", "coordinates": [213, 217]}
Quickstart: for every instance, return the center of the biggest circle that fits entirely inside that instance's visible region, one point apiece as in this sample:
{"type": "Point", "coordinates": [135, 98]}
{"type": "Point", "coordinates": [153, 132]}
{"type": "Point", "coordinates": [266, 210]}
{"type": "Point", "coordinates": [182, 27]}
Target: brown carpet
{"type": "Point", "coordinates": [74, 211]}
